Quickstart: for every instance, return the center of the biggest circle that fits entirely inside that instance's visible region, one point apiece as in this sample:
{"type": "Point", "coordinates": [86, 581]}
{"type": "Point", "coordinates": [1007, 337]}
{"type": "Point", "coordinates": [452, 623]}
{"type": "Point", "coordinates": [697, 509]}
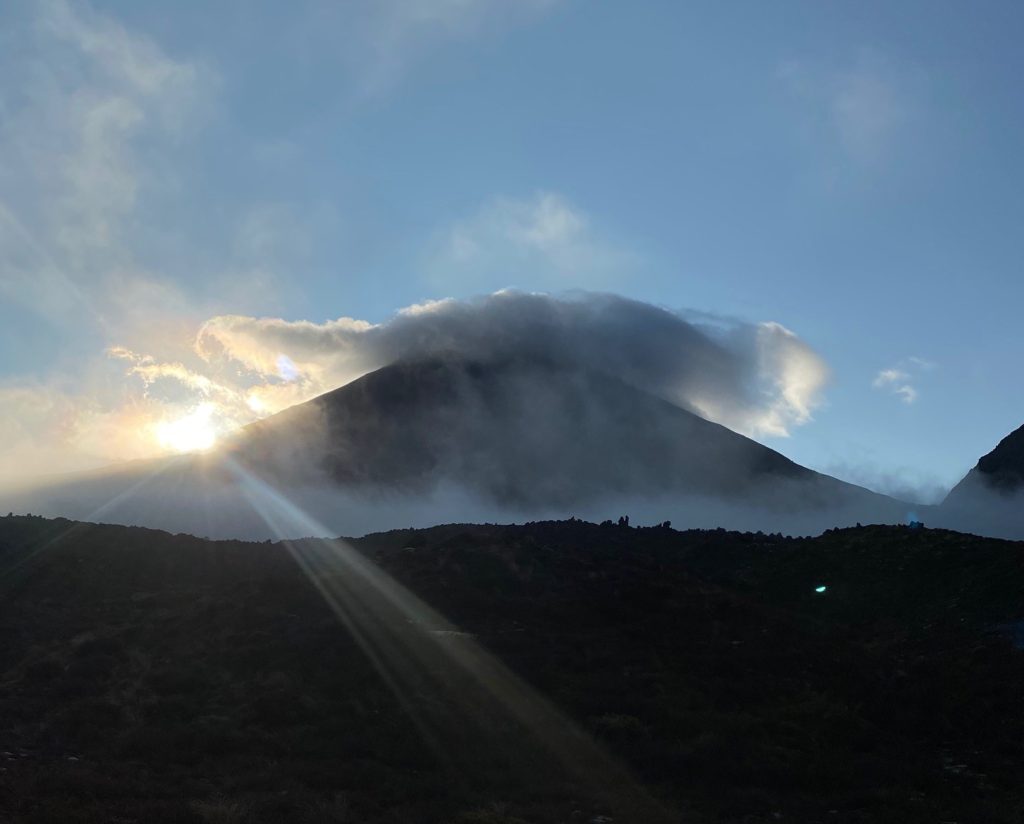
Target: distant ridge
{"type": "Point", "coordinates": [990, 498]}
{"type": "Point", "coordinates": [1001, 471]}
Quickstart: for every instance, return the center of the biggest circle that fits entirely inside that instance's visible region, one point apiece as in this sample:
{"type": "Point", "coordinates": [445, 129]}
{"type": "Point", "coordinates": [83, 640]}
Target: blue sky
{"type": "Point", "coordinates": [850, 171]}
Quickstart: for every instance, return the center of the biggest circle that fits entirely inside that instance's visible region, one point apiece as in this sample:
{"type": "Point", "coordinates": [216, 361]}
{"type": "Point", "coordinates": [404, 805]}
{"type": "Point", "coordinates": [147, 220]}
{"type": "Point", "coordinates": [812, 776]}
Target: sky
{"type": "Point", "coordinates": [844, 177]}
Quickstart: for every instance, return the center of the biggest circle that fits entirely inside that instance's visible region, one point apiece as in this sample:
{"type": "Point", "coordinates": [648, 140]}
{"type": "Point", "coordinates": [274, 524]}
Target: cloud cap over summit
{"type": "Point", "coordinates": [759, 379]}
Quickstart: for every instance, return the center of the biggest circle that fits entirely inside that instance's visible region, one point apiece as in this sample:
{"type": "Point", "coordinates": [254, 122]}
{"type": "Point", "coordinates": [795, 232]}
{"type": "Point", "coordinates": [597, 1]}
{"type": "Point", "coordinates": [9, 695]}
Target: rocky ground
{"type": "Point", "coordinates": [572, 672]}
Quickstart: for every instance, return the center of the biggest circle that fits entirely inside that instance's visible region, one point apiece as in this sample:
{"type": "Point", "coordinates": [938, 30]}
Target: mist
{"type": "Point", "coordinates": [425, 442]}
{"type": "Point", "coordinates": [507, 408]}
{"type": "Point", "coordinates": [756, 378]}
{"type": "Point", "coordinates": [179, 502]}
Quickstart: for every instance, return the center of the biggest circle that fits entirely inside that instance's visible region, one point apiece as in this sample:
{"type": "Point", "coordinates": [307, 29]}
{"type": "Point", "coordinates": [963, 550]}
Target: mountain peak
{"type": "Point", "coordinates": [520, 430]}
{"type": "Point", "coordinates": [993, 486]}
{"type": "Point", "coordinates": [438, 438]}
{"type": "Point", "coordinates": [1003, 467]}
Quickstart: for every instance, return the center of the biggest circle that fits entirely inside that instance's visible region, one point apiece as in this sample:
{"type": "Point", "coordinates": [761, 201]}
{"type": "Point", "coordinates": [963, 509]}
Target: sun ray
{"type": "Point", "coordinates": [461, 698]}
{"type": "Point", "coordinates": [84, 523]}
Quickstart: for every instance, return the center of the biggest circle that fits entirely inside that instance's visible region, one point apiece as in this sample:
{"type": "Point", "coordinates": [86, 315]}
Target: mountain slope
{"type": "Point", "coordinates": [170, 680]}
{"type": "Point", "coordinates": [1001, 471]}
{"type": "Point", "coordinates": [443, 439]}
{"type": "Point", "coordinates": [527, 434]}
{"type": "Point", "coordinates": [990, 498]}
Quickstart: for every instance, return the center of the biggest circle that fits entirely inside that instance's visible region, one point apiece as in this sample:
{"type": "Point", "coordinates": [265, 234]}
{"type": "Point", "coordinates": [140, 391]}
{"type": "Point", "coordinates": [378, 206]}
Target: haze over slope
{"type": "Point", "coordinates": [758, 379]}
{"type": "Point", "coordinates": [990, 498]}
{"type": "Point", "coordinates": [522, 433]}
{"type": "Point", "coordinates": [514, 407]}
{"type": "Point", "coordinates": [446, 439]}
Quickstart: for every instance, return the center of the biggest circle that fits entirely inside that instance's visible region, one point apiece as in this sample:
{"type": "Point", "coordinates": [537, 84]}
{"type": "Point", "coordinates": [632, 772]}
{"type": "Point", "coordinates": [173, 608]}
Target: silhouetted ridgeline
{"type": "Point", "coordinates": [700, 675]}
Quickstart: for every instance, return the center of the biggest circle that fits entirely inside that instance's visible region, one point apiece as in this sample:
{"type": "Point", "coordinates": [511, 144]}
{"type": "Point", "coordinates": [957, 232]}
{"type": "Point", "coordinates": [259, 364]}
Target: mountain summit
{"type": "Point", "coordinates": [990, 498]}
{"type": "Point", "coordinates": [520, 432]}
{"type": "Point", "coordinates": [1000, 472]}
{"type": "Point", "coordinates": [1003, 467]}
{"type": "Point", "coordinates": [525, 434]}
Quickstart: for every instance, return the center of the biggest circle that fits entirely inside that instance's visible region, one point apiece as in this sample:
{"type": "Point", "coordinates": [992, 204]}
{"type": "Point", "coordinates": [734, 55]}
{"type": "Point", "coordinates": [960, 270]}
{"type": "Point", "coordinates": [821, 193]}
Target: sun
{"type": "Point", "coordinates": [192, 433]}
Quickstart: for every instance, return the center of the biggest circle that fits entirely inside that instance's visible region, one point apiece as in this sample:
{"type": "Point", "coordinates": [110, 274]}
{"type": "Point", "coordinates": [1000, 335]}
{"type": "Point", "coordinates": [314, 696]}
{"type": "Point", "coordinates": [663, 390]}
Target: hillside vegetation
{"type": "Point", "coordinates": [149, 677]}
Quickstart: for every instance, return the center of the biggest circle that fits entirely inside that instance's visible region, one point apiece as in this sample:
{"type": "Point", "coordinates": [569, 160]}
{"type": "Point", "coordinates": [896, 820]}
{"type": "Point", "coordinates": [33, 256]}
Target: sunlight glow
{"type": "Point", "coordinates": [192, 433]}
{"type": "Point", "coordinates": [466, 704]}
{"type": "Point", "coordinates": [255, 403]}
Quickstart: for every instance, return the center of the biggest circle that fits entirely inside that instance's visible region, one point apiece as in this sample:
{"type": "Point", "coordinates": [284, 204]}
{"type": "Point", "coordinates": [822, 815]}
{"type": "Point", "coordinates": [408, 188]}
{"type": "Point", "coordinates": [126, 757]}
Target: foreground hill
{"type": "Point", "coordinates": [449, 439]}
{"type": "Point", "coordinates": [640, 675]}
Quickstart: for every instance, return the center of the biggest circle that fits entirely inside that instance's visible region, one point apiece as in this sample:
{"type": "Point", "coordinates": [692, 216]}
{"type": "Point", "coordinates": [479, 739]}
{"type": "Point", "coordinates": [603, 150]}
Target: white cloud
{"type": "Point", "coordinates": [921, 363]}
{"type": "Point", "coordinates": [93, 114]}
{"type": "Point", "coordinates": [387, 36]}
{"type": "Point", "coordinates": [905, 483]}
{"type": "Point", "coordinates": [130, 61]}
{"type": "Point", "coordinates": [759, 379]}
{"type": "Point", "coordinates": [906, 393]}
{"type": "Point", "coordinates": [868, 110]}
{"type": "Point", "coordinates": [797, 373]}
{"type": "Point", "coordinates": [889, 376]}
{"type": "Point", "coordinates": [859, 112]}
{"type": "Point", "coordinates": [90, 108]}
{"type": "Point", "coordinates": [536, 241]}
{"type": "Point", "coordinates": [900, 380]}
{"type": "Point", "coordinates": [378, 42]}
{"type": "Point", "coordinates": [49, 429]}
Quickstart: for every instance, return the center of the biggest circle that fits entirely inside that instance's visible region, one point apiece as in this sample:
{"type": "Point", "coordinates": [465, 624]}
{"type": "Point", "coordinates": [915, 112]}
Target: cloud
{"type": "Point", "coordinates": [84, 139]}
{"type": "Point", "coordinates": [904, 483]}
{"type": "Point", "coordinates": [50, 429]}
{"type": "Point", "coordinates": [551, 399]}
{"type": "Point", "coordinates": [896, 380]}
{"type": "Point", "coordinates": [543, 238]}
{"type": "Point", "coordinates": [861, 110]}
{"type": "Point", "coordinates": [153, 373]}
{"type": "Point", "coordinates": [115, 411]}
{"type": "Point", "coordinates": [759, 379]}
{"type": "Point", "coordinates": [756, 378]}
{"type": "Point", "coordinates": [387, 36]}
{"type": "Point", "coordinates": [867, 109]}
{"type": "Point", "coordinates": [94, 115]}
{"type": "Point", "coordinates": [272, 234]}
{"type": "Point", "coordinates": [900, 379]}
{"type": "Point", "coordinates": [796, 375]}
{"type": "Point", "coordinates": [94, 118]}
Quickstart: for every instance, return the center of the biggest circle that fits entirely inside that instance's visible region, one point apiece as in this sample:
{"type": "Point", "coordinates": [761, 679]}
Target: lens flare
{"type": "Point", "coordinates": [192, 433]}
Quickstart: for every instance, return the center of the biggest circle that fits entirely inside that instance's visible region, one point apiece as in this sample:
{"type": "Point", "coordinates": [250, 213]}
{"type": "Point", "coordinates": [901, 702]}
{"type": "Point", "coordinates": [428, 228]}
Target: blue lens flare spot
{"type": "Point", "coordinates": [820, 589]}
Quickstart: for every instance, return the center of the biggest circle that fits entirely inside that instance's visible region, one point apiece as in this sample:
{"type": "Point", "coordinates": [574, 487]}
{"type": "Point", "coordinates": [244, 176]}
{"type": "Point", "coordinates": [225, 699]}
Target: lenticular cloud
{"type": "Point", "coordinates": [760, 379]}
